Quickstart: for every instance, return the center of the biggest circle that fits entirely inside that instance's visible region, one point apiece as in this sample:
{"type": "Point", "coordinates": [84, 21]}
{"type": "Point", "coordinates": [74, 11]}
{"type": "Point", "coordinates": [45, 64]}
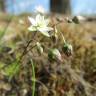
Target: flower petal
{"type": "Point", "coordinates": [45, 29]}
{"type": "Point", "coordinates": [39, 19]}
{"type": "Point", "coordinates": [32, 21]}
{"type": "Point", "coordinates": [46, 22]}
{"type": "Point", "coordinates": [40, 9]}
{"type": "Point", "coordinates": [44, 32]}
{"type": "Point", "coordinates": [32, 28]}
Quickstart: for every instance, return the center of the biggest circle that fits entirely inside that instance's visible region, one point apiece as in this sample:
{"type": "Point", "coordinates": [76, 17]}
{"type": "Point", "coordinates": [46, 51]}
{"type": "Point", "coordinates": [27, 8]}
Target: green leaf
{"type": "Point", "coordinates": [2, 33]}
{"type": "Point", "coordinates": [1, 65]}
{"type": "Point", "coordinates": [12, 69]}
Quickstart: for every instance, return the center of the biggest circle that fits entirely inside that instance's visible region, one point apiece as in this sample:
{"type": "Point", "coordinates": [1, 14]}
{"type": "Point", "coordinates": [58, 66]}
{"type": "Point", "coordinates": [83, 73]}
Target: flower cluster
{"type": "Point", "coordinates": [40, 24]}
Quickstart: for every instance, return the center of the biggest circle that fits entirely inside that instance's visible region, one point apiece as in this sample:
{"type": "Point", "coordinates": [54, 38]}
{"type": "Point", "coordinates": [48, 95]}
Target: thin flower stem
{"type": "Point", "coordinates": [30, 49]}
{"type": "Point", "coordinates": [33, 72]}
{"type": "Point", "coordinates": [62, 37]}
{"type": "Point", "coordinates": [56, 24]}
{"type": "Point", "coordinates": [60, 31]}
{"type": "Point", "coordinates": [25, 50]}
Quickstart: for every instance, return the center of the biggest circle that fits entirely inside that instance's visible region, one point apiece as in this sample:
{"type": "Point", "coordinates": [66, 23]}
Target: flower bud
{"type": "Point", "coordinates": [39, 48]}
{"type": "Point", "coordinates": [67, 49]}
{"type": "Point", "coordinates": [69, 20]}
{"type": "Point", "coordinates": [76, 20]}
{"type": "Point", "coordinates": [54, 54]}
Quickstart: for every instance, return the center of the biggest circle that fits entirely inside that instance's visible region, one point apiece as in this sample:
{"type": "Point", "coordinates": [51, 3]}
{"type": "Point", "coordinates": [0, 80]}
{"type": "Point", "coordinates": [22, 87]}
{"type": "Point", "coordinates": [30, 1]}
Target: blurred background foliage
{"type": "Point", "coordinates": [75, 77]}
{"type": "Point", "coordinates": [82, 63]}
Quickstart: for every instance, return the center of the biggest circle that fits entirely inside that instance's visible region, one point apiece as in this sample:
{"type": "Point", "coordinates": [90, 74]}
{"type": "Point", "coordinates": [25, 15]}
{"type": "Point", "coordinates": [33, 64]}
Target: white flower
{"type": "Point", "coordinates": [40, 9]}
{"type": "Point", "coordinates": [40, 24]}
